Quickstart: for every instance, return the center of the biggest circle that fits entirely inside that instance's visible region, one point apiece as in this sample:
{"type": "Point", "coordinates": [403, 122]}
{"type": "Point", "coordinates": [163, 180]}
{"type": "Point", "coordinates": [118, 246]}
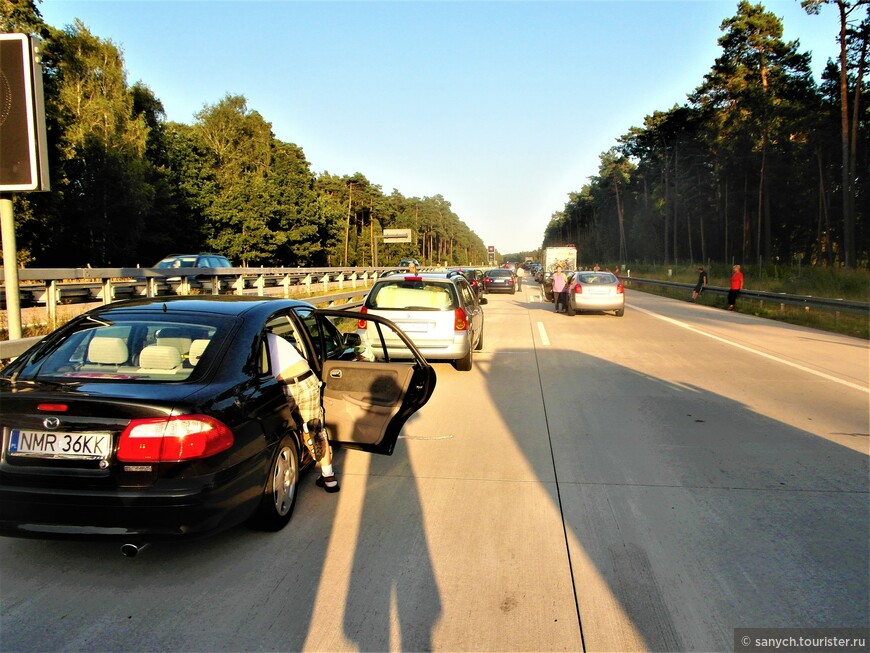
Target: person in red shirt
{"type": "Point", "coordinates": [736, 287]}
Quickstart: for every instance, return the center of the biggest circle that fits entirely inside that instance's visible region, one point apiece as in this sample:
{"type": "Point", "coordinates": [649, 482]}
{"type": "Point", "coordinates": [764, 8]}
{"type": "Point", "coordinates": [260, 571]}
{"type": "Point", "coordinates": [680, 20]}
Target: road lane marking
{"type": "Point", "coordinates": [543, 332]}
{"type": "Point", "coordinates": [753, 351]}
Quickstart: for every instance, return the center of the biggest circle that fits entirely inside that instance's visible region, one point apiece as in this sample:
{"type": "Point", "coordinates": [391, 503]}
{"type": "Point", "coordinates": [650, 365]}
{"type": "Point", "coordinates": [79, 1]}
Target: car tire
{"type": "Point", "coordinates": [465, 363]}
{"type": "Point", "coordinates": [479, 345]}
{"type": "Point", "coordinates": [282, 486]}
{"type": "Point", "coordinates": [570, 310]}
{"type": "Point", "coordinates": [620, 312]}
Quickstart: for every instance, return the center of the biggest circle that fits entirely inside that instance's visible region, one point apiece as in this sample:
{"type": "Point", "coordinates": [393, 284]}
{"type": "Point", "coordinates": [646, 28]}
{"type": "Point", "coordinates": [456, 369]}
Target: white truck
{"type": "Point", "coordinates": [565, 256]}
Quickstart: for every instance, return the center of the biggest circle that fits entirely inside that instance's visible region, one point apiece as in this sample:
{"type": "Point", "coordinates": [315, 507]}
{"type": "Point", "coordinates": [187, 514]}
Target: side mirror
{"type": "Point", "coordinates": [352, 340]}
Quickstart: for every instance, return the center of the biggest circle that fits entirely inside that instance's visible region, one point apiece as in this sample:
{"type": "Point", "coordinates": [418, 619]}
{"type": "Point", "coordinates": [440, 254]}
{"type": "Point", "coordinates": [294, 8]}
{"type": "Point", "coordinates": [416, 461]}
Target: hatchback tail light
{"type": "Point", "coordinates": [619, 289]}
{"type": "Point", "coordinates": [460, 320]}
{"type": "Point", "coordinates": [578, 289]}
{"type": "Point", "coordinates": [362, 324]}
{"type": "Point", "coordinates": [173, 439]}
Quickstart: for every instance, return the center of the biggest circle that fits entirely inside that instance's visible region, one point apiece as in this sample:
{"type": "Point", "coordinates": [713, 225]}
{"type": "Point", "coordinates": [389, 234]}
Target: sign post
{"type": "Point", "coordinates": [23, 150]}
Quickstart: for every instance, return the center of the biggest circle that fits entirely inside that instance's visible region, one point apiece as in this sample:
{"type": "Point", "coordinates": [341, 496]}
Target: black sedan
{"type": "Point", "coordinates": [500, 280]}
{"type": "Point", "coordinates": [161, 418]}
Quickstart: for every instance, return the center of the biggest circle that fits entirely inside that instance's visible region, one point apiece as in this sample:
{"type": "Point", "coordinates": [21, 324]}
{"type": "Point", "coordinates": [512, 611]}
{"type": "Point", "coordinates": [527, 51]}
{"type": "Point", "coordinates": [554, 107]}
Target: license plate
{"type": "Point", "coordinates": [414, 327]}
{"type": "Point", "coordinates": [92, 446]}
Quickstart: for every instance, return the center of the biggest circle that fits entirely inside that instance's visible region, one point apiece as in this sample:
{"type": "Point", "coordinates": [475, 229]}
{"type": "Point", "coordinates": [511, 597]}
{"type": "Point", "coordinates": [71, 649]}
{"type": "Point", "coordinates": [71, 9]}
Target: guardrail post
{"type": "Point", "coordinates": [285, 283]}
{"type": "Point", "coordinates": [239, 285]}
{"type": "Point", "coordinates": [51, 294]}
{"type": "Point", "coordinates": [307, 282]}
{"type": "Point", "coordinates": [106, 290]}
{"type": "Point", "coordinates": [151, 287]}
{"type": "Point", "coordinates": [215, 285]}
{"type": "Point", "coordinates": [341, 281]}
{"type": "Point", "coordinates": [325, 282]}
{"type": "Point", "coordinates": [260, 285]}
{"type": "Point", "coordinates": [353, 280]}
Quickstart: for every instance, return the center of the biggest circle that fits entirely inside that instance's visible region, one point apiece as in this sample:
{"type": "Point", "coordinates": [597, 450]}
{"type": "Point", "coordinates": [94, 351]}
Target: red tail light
{"type": "Point", "coordinates": [578, 289]}
{"type": "Point", "coordinates": [460, 321]}
{"type": "Point", "coordinates": [52, 408]}
{"type": "Point", "coordinates": [361, 324]}
{"type": "Point", "coordinates": [619, 289]}
{"type": "Point", "coordinates": [487, 280]}
{"type": "Point", "coordinates": [172, 439]}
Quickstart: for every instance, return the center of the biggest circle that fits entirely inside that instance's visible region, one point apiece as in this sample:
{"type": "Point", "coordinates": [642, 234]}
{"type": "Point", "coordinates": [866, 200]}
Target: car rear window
{"type": "Point", "coordinates": [605, 277]}
{"type": "Point", "coordinates": [415, 294]}
{"type": "Point", "coordinates": [131, 351]}
{"type": "Point", "coordinates": [500, 273]}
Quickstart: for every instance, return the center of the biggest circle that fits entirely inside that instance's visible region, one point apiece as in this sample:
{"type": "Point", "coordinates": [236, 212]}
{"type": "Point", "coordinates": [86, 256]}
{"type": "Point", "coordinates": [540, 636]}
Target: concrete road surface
{"type": "Point", "coordinates": [650, 482]}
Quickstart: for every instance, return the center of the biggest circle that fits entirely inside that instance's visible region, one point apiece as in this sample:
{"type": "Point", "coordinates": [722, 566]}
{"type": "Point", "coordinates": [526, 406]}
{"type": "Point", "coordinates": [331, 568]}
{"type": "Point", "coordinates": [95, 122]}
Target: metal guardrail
{"type": "Point", "coordinates": [820, 303]}
{"type": "Point", "coordinates": [10, 349]}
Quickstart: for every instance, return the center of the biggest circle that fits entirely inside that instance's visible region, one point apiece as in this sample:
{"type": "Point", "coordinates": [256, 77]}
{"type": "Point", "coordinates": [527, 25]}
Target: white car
{"type": "Point", "coordinates": [439, 312]}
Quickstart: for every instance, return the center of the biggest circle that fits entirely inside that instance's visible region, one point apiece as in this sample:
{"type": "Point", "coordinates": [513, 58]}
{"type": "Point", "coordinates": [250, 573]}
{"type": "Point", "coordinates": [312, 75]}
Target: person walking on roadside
{"type": "Point", "coordinates": [702, 283]}
{"type": "Point", "coordinates": [559, 290]}
{"type": "Point", "coordinates": [736, 287]}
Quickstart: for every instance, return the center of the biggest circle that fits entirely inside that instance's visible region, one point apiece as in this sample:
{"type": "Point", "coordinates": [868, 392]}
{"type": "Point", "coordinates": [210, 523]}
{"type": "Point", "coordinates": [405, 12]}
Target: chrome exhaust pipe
{"type": "Point", "coordinates": [132, 550]}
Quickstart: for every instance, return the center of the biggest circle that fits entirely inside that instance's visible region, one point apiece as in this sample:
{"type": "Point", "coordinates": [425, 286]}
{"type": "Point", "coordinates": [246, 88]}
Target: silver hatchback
{"type": "Point", "coordinates": [595, 291]}
{"type": "Point", "coordinates": [439, 312]}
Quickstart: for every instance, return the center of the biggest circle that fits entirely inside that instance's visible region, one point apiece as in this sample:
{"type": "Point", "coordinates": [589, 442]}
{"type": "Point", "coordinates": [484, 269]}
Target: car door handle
{"type": "Point", "coordinates": [335, 374]}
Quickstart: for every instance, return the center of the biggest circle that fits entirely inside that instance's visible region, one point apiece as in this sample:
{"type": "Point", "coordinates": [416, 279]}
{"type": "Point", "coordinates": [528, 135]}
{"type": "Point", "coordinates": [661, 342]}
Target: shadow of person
{"type": "Point", "coordinates": [393, 600]}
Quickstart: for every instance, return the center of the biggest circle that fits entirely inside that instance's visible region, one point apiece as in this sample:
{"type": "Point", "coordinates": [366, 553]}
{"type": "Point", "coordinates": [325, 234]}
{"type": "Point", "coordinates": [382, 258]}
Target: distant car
{"type": "Point", "coordinates": [595, 291]}
{"type": "Point", "coordinates": [193, 261]}
{"type": "Point", "coordinates": [500, 280]}
{"type": "Point", "coordinates": [438, 311]}
{"type": "Point", "coordinates": [161, 418]}
{"type": "Point", "coordinates": [473, 276]}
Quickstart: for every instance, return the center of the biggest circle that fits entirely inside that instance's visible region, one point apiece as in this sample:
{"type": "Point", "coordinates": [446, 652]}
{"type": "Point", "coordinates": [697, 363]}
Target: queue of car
{"type": "Point", "coordinates": [162, 418]}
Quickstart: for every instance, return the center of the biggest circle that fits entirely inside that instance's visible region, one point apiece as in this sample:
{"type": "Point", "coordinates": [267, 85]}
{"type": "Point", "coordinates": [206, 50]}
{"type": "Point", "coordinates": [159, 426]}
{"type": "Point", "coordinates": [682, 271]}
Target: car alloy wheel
{"type": "Point", "coordinates": [279, 498]}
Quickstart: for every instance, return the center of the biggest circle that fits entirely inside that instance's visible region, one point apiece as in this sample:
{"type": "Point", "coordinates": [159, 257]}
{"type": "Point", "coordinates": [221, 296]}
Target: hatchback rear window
{"type": "Point", "coordinates": [418, 294]}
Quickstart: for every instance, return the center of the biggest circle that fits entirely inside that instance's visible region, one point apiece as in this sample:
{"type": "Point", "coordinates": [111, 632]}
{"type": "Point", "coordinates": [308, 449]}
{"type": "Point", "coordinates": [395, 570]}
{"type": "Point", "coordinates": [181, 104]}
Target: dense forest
{"type": "Point", "coordinates": [762, 165]}
{"type": "Point", "coordinates": [129, 187]}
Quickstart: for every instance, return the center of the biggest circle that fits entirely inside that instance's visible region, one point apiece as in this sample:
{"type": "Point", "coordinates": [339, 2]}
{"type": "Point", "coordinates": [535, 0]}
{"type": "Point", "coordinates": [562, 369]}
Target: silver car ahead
{"type": "Point", "coordinates": [439, 312]}
{"type": "Point", "coordinates": [595, 291]}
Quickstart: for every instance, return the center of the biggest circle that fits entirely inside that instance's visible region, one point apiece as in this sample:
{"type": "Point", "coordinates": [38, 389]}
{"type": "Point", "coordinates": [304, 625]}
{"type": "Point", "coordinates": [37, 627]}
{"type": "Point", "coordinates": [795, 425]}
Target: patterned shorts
{"type": "Point", "coordinates": [304, 397]}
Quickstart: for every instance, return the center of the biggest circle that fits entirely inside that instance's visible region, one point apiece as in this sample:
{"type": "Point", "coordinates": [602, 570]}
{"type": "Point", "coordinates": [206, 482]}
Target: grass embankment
{"type": "Point", "coordinates": [853, 285]}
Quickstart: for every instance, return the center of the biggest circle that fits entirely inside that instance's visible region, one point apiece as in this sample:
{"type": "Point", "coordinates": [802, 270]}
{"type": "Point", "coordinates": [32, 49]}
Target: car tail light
{"type": "Point", "coordinates": [487, 280]}
{"type": "Point", "coordinates": [413, 278]}
{"type": "Point", "coordinates": [173, 439]}
{"type": "Point", "coordinates": [52, 408]}
{"type": "Point", "coordinates": [510, 282]}
{"type": "Point", "coordinates": [578, 289]}
{"type": "Point", "coordinates": [460, 321]}
{"type": "Point", "coordinates": [362, 324]}
{"type": "Point", "coordinates": [619, 289]}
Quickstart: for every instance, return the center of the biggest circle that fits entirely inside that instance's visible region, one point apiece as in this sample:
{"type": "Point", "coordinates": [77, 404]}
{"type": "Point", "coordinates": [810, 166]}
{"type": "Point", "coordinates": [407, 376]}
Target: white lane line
{"type": "Point", "coordinates": [544, 339]}
{"type": "Point", "coordinates": [753, 351]}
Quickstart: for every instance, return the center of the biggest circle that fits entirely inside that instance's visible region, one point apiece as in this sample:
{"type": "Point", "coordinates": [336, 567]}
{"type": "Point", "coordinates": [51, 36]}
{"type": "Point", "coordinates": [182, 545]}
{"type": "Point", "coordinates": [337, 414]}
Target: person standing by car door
{"type": "Point", "coordinates": [559, 290]}
{"type": "Point", "coordinates": [302, 389]}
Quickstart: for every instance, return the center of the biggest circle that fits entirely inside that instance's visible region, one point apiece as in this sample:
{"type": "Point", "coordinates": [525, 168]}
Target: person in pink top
{"type": "Point", "coordinates": [559, 290]}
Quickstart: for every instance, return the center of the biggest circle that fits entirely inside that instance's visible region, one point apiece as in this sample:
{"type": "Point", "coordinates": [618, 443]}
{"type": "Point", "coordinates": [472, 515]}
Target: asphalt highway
{"type": "Point", "coordinates": [650, 482]}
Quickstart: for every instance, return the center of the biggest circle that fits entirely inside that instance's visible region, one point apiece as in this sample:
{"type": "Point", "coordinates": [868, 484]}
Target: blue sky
{"type": "Point", "coordinates": [503, 108]}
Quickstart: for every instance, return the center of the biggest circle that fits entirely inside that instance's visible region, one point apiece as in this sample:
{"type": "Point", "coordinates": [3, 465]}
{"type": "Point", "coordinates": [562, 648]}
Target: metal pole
{"type": "Point", "coordinates": [10, 269]}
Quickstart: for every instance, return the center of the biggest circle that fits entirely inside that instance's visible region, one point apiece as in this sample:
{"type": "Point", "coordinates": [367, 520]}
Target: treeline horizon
{"type": "Point", "coordinates": [129, 187]}
{"type": "Point", "coordinates": [761, 166]}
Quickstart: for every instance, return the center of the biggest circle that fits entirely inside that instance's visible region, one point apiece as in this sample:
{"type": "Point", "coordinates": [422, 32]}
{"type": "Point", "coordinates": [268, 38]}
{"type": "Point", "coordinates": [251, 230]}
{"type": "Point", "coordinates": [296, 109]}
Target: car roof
{"type": "Point", "coordinates": [226, 305]}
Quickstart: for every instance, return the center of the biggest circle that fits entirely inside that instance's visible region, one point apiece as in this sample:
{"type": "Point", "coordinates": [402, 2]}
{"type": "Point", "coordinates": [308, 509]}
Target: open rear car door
{"type": "Point", "coordinates": [366, 402]}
